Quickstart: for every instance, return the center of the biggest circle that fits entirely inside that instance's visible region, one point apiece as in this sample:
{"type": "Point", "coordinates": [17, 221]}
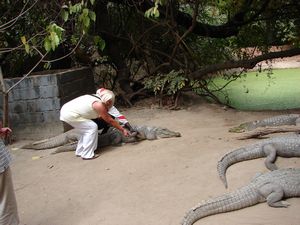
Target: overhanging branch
{"type": "Point", "coordinates": [247, 64]}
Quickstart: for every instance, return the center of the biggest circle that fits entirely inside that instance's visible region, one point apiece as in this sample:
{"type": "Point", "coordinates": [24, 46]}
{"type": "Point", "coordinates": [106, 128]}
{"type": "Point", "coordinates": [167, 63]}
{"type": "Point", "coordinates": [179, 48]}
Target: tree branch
{"type": "Point", "coordinates": [262, 131]}
{"type": "Point", "coordinates": [247, 63]}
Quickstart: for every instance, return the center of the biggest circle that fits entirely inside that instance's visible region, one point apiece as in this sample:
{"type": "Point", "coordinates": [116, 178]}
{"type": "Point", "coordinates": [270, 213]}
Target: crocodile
{"type": "Point", "coordinates": [284, 146]}
{"type": "Point", "coordinates": [286, 119]}
{"type": "Point", "coordinates": [270, 187]}
{"type": "Point", "coordinates": [68, 141]}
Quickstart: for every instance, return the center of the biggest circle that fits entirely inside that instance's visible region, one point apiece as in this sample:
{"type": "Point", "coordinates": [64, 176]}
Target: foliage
{"type": "Point", "coordinates": [54, 37]}
{"type": "Point", "coordinates": [43, 30]}
{"type": "Point", "coordinates": [168, 84]}
{"type": "Point", "coordinates": [175, 40]}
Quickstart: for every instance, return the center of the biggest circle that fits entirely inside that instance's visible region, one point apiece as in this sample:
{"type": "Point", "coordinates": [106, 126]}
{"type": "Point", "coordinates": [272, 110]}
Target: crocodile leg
{"type": "Point", "coordinates": [270, 152]}
{"type": "Point", "coordinates": [274, 194]}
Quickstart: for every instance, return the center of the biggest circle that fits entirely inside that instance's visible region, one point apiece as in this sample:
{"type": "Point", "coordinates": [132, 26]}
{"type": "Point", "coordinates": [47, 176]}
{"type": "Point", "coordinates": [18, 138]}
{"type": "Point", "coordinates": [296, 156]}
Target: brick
{"type": "Point", "coordinates": [48, 91]}
{"type": "Point", "coordinates": [18, 107]}
{"type": "Point", "coordinates": [45, 80]}
{"type": "Point", "coordinates": [51, 116]}
{"type": "Point", "coordinates": [30, 93]}
{"type": "Point", "coordinates": [37, 99]}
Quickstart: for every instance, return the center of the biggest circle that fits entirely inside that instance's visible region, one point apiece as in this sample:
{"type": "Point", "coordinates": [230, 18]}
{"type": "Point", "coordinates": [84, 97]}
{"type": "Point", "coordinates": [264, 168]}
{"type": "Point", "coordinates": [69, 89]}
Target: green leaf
{"type": "Point", "coordinates": [86, 21]}
{"type": "Point", "coordinates": [23, 39]}
{"type": "Point", "coordinates": [152, 12]}
{"type": "Point", "coordinates": [65, 15]}
{"type": "Point", "coordinates": [27, 48]}
{"type": "Point", "coordinates": [155, 12]}
{"type": "Point", "coordinates": [54, 40]}
{"type": "Point", "coordinates": [92, 2]}
{"type": "Point", "coordinates": [99, 42]}
{"type": "Point", "coordinates": [85, 12]}
{"type": "Point", "coordinates": [92, 15]}
{"type": "Point", "coordinates": [47, 45]}
{"type": "Point", "coordinates": [148, 13]}
{"type": "Point", "coordinates": [47, 65]}
{"type": "Point", "coordinates": [75, 8]}
{"type": "Point", "coordinates": [74, 39]}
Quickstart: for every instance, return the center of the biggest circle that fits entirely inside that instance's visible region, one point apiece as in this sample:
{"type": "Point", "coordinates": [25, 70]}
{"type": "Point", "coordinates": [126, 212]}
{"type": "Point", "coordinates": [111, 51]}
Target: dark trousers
{"type": "Point", "coordinates": [102, 125]}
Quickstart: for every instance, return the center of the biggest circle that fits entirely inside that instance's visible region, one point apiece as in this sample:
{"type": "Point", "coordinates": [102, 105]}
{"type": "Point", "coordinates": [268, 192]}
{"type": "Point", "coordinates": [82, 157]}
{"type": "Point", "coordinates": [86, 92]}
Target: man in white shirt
{"type": "Point", "coordinates": [115, 114]}
{"type": "Point", "coordinates": [80, 113]}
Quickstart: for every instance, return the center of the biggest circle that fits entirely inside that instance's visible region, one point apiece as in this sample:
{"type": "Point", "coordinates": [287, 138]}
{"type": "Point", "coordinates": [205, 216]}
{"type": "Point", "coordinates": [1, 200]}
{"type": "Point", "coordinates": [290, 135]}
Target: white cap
{"type": "Point", "coordinates": [106, 95]}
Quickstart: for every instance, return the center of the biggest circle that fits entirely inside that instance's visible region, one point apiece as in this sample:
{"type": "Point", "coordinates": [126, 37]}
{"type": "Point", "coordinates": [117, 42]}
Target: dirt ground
{"type": "Point", "coordinates": [153, 182]}
{"type": "Point", "coordinates": [150, 183]}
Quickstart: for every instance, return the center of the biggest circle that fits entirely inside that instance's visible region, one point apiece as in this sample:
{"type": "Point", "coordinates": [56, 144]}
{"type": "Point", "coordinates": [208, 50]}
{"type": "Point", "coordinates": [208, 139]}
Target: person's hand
{"type": "Point", "coordinates": [125, 132]}
{"type": "Point", "coordinates": [129, 127]}
{"type": "Point", "coordinates": [4, 131]}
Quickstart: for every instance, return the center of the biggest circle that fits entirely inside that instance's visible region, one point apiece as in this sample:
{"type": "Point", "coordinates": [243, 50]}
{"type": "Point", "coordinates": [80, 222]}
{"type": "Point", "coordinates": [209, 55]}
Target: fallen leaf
{"type": "Point", "coordinates": [36, 157]}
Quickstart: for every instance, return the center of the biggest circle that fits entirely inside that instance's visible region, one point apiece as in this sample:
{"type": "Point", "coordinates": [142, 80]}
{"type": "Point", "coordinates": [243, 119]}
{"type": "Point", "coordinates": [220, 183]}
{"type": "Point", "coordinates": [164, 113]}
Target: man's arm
{"type": "Point", "coordinates": [102, 111]}
{"type": "Point", "coordinates": [121, 118]}
{"type": "Point", "coordinates": [4, 131]}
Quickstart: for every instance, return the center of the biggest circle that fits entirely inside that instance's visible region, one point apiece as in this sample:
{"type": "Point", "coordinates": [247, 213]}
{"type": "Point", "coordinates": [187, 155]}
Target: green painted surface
{"type": "Point", "coordinates": [260, 91]}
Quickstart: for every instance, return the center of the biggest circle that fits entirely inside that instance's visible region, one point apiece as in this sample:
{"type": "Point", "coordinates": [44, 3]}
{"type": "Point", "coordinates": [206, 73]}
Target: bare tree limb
{"type": "Point", "coordinates": [247, 63]}
{"type": "Point", "coordinates": [189, 30]}
{"type": "Point", "coordinates": [26, 75]}
{"type": "Point", "coordinates": [262, 131]}
{"type": "Point", "coordinates": [14, 20]}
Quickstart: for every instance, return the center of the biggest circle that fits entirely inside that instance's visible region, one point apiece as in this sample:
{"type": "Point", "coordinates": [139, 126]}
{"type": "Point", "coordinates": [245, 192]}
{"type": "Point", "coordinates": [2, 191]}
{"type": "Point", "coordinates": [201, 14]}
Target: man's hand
{"type": "Point", "coordinates": [129, 127]}
{"type": "Point", "coordinates": [4, 131]}
{"type": "Point", "coordinates": [125, 132]}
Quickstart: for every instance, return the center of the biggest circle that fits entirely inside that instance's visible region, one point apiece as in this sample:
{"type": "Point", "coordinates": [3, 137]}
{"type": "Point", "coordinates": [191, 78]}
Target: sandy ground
{"type": "Point", "coordinates": [289, 62]}
{"type": "Point", "coordinates": [151, 183]}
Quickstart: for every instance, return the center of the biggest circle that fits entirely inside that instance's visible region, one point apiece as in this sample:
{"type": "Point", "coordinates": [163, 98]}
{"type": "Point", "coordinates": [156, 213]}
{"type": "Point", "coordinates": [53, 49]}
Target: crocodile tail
{"type": "Point", "coordinates": [35, 145]}
{"type": "Point", "coordinates": [238, 155]}
{"type": "Point", "coordinates": [53, 142]}
{"type": "Point", "coordinates": [47, 143]}
{"type": "Point", "coordinates": [241, 198]}
{"type": "Point", "coordinates": [66, 148]}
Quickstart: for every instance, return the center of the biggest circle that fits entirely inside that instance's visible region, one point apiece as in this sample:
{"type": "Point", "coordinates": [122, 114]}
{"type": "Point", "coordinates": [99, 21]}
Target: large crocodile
{"type": "Point", "coordinates": [284, 146]}
{"type": "Point", "coordinates": [68, 141]}
{"type": "Point", "coordinates": [288, 119]}
{"type": "Point", "coordinates": [270, 187]}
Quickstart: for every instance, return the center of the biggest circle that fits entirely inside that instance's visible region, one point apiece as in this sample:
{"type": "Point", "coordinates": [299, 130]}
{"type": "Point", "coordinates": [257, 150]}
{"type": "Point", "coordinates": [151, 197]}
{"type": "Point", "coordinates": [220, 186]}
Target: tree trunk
{"type": "Point", "coordinates": [113, 46]}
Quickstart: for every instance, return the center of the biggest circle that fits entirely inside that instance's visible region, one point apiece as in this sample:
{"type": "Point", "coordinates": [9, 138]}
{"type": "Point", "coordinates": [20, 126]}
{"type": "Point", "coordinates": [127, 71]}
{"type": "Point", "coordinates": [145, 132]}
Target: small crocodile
{"type": "Point", "coordinates": [68, 140]}
{"type": "Point", "coordinates": [288, 119]}
{"type": "Point", "coordinates": [270, 187]}
{"type": "Point", "coordinates": [284, 146]}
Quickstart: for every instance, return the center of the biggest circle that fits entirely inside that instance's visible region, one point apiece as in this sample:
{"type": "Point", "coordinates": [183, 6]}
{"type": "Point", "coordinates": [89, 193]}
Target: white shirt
{"type": "Point", "coordinates": [79, 109]}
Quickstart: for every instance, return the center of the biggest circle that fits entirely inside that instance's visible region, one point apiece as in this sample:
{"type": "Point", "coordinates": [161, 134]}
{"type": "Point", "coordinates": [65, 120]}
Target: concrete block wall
{"type": "Point", "coordinates": [35, 102]}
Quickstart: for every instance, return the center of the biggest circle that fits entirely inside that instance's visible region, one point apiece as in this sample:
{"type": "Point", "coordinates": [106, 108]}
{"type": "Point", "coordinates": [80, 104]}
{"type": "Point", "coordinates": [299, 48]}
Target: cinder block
{"type": "Point", "coordinates": [30, 93]}
{"type": "Point", "coordinates": [41, 105]}
{"type": "Point", "coordinates": [14, 95]}
{"type": "Point", "coordinates": [50, 91]}
{"type": "Point", "coordinates": [36, 101]}
{"type": "Point", "coordinates": [36, 118]}
{"type": "Point", "coordinates": [46, 80]}
{"type": "Point", "coordinates": [9, 83]}
{"type": "Point", "coordinates": [56, 103]}
{"type": "Point", "coordinates": [51, 116]}
{"type": "Point", "coordinates": [45, 105]}
{"type": "Point", "coordinates": [18, 107]}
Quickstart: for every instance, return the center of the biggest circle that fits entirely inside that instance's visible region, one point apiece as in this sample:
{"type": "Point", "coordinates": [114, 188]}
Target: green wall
{"type": "Point", "coordinates": [262, 91]}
